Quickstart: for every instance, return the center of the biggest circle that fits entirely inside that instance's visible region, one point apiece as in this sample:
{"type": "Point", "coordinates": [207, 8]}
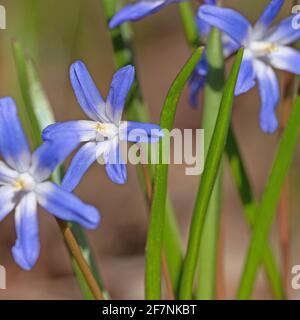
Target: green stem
{"type": "Point", "coordinates": [157, 215]}
{"type": "Point", "coordinates": [121, 38]}
{"type": "Point", "coordinates": [210, 239]}
{"type": "Point", "coordinates": [267, 208]}
{"type": "Point", "coordinates": [188, 21]}
{"type": "Point", "coordinates": [210, 173]}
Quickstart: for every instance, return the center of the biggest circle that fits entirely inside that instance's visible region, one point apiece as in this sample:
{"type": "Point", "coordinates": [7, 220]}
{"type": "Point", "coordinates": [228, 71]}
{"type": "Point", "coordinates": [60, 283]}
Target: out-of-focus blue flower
{"type": "Point", "coordinates": [139, 10]}
{"type": "Point", "coordinates": [102, 134]}
{"type": "Point", "coordinates": [24, 185]}
{"type": "Point", "coordinates": [265, 47]}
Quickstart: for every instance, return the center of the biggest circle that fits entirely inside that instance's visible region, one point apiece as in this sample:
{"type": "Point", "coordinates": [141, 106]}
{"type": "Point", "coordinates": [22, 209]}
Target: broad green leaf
{"type": "Point", "coordinates": [211, 169]}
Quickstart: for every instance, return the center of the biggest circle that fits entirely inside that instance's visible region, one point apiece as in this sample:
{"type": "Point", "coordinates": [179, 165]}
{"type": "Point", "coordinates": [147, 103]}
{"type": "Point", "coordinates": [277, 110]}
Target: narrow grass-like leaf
{"type": "Point", "coordinates": [250, 209]}
{"type": "Point", "coordinates": [157, 216]}
{"type": "Point", "coordinates": [28, 118]}
{"type": "Point", "coordinates": [211, 169]}
{"type": "Point", "coordinates": [210, 239]}
{"type": "Point", "coordinates": [267, 208]}
{"type": "Point", "coordinates": [137, 111]}
{"type": "Point", "coordinates": [37, 114]}
{"type": "Point", "coordinates": [243, 186]}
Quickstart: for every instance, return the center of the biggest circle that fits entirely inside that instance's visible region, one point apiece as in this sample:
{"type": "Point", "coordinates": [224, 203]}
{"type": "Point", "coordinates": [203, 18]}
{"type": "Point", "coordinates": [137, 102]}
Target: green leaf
{"type": "Point", "coordinates": [210, 239]}
{"type": "Point", "coordinates": [267, 208]}
{"type": "Point", "coordinates": [36, 114]}
{"type": "Point", "coordinates": [26, 111]}
{"type": "Point", "coordinates": [157, 216]}
{"type": "Point", "coordinates": [211, 169]}
{"type": "Point", "coordinates": [250, 210]}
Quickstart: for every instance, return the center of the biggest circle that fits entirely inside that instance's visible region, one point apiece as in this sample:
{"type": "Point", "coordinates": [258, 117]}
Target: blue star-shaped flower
{"type": "Point", "coordinates": [102, 134]}
{"type": "Point", "coordinates": [265, 47]}
{"type": "Point", "coordinates": [24, 184]}
{"type": "Point", "coordinates": [139, 10]}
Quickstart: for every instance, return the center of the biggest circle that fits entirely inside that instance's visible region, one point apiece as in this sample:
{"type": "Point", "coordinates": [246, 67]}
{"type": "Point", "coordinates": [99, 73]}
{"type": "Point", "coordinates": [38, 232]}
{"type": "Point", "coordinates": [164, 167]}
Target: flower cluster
{"type": "Point", "coordinates": [266, 47]}
{"type": "Point", "coordinates": [24, 177]}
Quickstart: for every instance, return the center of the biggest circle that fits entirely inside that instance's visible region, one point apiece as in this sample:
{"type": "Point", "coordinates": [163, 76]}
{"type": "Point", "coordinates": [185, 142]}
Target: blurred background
{"type": "Point", "coordinates": [58, 32]}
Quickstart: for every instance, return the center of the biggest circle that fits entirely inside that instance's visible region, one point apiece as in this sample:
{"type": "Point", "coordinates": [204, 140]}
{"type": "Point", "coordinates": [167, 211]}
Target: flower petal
{"type": "Point", "coordinates": [285, 58]}
{"type": "Point", "coordinates": [67, 206]}
{"type": "Point", "coordinates": [120, 86]}
{"type": "Point", "coordinates": [13, 144]}
{"type": "Point", "coordinates": [246, 78]}
{"type": "Point", "coordinates": [49, 155]}
{"type": "Point", "coordinates": [267, 17]}
{"type": "Point", "coordinates": [82, 130]}
{"type": "Point", "coordinates": [227, 20]}
{"type": "Point", "coordinates": [136, 11]}
{"type": "Point", "coordinates": [196, 84]}
{"type": "Point", "coordinates": [285, 32]}
{"type": "Point", "coordinates": [83, 159]}
{"type": "Point", "coordinates": [7, 201]}
{"type": "Point", "coordinates": [7, 175]}
{"type": "Point", "coordinates": [115, 166]}
{"type": "Point", "coordinates": [87, 94]}
{"type": "Point", "coordinates": [203, 27]}
{"type": "Point", "coordinates": [27, 247]}
{"type": "Point", "coordinates": [140, 132]}
{"type": "Point", "coordinates": [230, 46]}
{"type": "Point", "coordinates": [269, 93]}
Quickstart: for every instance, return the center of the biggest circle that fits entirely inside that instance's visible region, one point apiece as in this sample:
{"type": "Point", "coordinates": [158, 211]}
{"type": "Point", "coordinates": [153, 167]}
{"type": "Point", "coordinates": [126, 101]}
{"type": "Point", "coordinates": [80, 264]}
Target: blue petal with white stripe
{"type": "Point", "coordinates": [14, 147]}
{"type": "Point", "coordinates": [119, 89]}
{"type": "Point", "coordinates": [66, 206]}
{"type": "Point", "coordinates": [269, 93]}
{"type": "Point", "coordinates": [27, 247]}
{"type": "Point", "coordinates": [267, 17]}
{"type": "Point", "coordinates": [227, 20]}
{"type": "Point", "coordinates": [49, 155]}
{"type": "Point", "coordinates": [87, 93]}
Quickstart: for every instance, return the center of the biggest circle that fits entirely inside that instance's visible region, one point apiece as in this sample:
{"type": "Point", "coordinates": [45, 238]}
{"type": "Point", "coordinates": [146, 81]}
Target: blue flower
{"type": "Point", "coordinates": [102, 134]}
{"type": "Point", "coordinates": [198, 77]}
{"type": "Point", "coordinates": [265, 47]}
{"type": "Point", "coordinates": [139, 10]}
{"type": "Point", "coordinates": [24, 184]}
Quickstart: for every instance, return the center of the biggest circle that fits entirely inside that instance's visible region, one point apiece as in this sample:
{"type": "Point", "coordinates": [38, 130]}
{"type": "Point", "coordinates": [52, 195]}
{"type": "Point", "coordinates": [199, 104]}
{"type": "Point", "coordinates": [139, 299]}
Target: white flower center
{"type": "Point", "coordinates": [261, 48]}
{"type": "Point", "coordinates": [25, 182]}
{"type": "Point", "coordinates": [106, 131]}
